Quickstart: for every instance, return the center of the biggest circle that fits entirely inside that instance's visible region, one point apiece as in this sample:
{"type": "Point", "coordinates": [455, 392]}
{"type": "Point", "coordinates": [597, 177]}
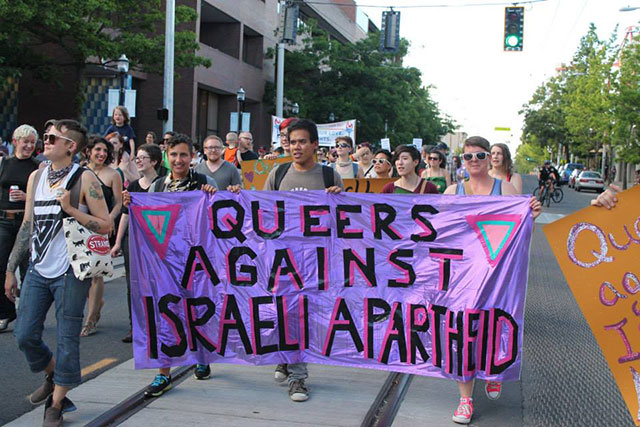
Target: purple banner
{"type": "Point", "coordinates": [429, 285]}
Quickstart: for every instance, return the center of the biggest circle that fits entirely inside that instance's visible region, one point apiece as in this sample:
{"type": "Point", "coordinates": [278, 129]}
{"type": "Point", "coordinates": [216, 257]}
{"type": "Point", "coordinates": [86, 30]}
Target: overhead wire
{"type": "Point", "coordinates": [419, 6]}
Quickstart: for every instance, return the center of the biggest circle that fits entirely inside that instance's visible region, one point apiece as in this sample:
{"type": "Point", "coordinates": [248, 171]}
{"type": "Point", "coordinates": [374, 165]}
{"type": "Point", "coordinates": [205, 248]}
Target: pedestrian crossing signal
{"type": "Point", "coordinates": [513, 28]}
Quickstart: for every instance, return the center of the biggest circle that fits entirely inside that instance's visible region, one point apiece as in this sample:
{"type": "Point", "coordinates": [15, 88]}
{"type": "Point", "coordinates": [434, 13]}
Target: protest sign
{"type": "Point", "coordinates": [598, 251]}
{"type": "Point", "coordinates": [365, 185]}
{"type": "Point", "coordinates": [255, 172]}
{"type": "Point", "coordinates": [417, 142]}
{"type": "Point", "coordinates": [430, 285]}
{"type": "Point", "coordinates": [327, 132]}
{"type": "Point", "coordinates": [385, 144]}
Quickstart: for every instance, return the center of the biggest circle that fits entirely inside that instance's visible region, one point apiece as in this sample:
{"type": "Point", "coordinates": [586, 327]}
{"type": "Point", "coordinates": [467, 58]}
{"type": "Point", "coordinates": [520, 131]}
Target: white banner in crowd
{"type": "Point", "coordinates": [327, 132]}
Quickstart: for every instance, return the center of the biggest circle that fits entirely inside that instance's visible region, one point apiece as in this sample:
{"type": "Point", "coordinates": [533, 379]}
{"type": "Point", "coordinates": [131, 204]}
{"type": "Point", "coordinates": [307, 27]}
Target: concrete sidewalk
{"type": "Point", "coordinates": [248, 396]}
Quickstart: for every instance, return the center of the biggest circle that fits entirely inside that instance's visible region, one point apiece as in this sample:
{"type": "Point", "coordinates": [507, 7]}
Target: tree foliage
{"type": "Point", "coordinates": [626, 105]}
{"type": "Point", "coordinates": [528, 157]}
{"type": "Point", "coordinates": [356, 81]}
{"type": "Point", "coordinates": [575, 107]}
{"type": "Point", "coordinates": [44, 35]}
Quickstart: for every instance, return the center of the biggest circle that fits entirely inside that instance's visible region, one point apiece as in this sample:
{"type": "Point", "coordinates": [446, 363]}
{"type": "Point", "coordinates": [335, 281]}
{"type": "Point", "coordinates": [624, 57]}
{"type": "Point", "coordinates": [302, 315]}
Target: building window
{"type": "Point", "coordinates": [219, 30]}
{"type": "Point", "coordinates": [252, 47]}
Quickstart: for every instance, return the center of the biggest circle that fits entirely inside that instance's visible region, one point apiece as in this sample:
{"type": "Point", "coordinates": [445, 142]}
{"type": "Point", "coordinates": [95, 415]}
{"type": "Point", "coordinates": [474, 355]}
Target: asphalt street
{"type": "Point", "coordinates": [565, 380]}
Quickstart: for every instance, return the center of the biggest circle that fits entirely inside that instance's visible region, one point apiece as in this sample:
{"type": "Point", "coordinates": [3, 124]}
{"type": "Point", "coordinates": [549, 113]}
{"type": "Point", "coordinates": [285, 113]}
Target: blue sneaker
{"type": "Point", "coordinates": [160, 384]}
{"type": "Point", "coordinates": [202, 372]}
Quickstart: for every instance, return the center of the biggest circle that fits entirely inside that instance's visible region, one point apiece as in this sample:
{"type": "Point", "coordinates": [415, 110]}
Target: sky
{"type": "Point", "coordinates": [460, 53]}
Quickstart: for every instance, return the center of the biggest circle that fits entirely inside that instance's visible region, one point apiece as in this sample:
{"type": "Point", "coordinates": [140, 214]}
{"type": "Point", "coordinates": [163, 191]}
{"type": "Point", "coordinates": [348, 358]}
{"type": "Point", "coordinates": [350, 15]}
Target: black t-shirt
{"type": "Point", "coordinates": [135, 187]}
{"type": "Point", "coordinates": [248, 155]}
{"type": "Point", "coordinates": [15, 171]}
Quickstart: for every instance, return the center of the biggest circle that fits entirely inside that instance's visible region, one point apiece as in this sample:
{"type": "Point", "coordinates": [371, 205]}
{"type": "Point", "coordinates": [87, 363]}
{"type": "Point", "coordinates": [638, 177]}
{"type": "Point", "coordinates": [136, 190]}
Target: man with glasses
{"type": "Point", "coordinates": [245, 142]}
{"type": "Point", "coordinates": [223, 172]}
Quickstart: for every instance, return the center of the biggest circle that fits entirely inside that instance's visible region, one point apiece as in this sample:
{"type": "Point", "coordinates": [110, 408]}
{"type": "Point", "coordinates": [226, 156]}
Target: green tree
{"type": "Point", "coordinates": [589, 100]}
{"type": "Point", "coordinates": [544, 116]}
{"type": "Point", "coordinates": [626, 105]}
{"type": "Point", "coordinates": [49, 36]}
{"type": "Point", "coordinates": [528, 157]}
{"type": "Point", "coordinates": [357, 81]}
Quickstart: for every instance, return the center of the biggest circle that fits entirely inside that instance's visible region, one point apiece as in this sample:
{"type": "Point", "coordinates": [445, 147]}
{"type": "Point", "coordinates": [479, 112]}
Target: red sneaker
{"type": "Point", "coordinates": [463, 414]}
{"type": "Point", "coordinates": [493, 389]}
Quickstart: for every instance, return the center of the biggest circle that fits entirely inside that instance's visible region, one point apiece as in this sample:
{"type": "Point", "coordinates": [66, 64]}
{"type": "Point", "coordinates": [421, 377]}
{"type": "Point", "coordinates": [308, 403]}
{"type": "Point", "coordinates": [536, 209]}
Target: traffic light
{"type": "Point", "coordinates": [513, 28]}
{"type": "Point", "coordinates": [390, 32]}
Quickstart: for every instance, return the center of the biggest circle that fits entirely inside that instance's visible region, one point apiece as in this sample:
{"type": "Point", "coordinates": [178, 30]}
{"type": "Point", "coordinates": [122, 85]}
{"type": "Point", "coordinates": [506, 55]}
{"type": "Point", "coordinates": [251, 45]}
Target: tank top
{"type": "Point", "coordinates": [495, 191]}
{"type": "Point", "coordinates": [48, 246]}
{"type": "Point", "coordinates": [439, 181]}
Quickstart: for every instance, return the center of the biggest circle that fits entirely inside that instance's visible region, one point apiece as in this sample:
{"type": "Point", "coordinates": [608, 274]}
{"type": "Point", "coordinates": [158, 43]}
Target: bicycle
{"type": "Point", "coordinates": [556, 195]}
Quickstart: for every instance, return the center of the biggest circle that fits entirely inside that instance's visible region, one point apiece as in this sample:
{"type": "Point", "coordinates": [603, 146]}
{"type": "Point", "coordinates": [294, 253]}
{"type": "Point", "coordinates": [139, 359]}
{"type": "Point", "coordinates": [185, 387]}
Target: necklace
{"type": "Point", "coordinates": [344, 165]}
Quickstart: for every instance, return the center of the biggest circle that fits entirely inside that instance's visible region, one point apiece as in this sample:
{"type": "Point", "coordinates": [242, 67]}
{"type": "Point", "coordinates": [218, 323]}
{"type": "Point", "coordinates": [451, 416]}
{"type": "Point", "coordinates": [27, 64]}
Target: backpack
{"type": "Point", "coordinates": [282, 169]}
{"type": "Point", "coordinates": [355, 168]}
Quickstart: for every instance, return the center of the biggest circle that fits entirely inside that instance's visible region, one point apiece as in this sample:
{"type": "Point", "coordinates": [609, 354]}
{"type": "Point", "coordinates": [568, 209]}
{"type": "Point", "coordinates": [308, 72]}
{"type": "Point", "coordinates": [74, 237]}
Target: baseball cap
{"type": "Point", "coordinates": [286, 122]}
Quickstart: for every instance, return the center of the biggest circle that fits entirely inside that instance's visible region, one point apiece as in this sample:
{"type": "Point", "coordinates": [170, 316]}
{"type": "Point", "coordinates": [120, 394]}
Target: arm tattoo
{"type": "Point", "coordinates": [20, 247]}
{"type": "Point", "coordinates": [93, 226]}
{"type": "Point", "coordinates": [95, 191]}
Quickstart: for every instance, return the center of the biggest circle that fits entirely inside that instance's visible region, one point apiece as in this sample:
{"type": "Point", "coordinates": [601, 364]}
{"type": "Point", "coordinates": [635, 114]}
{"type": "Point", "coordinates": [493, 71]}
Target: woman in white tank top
{"type": "Point", "coordinates": [50, 278]}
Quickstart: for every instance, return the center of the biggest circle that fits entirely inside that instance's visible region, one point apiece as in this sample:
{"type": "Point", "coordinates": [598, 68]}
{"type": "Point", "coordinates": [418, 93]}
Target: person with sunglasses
{"type": "Point", "coordinates": [477, 158]}
{"type": "Point", "coordinates": [346, 167]}
{"type": "Point", "coordinates": [436, 171]}
{"type": "Point", "coordinates": [14, 174]}
{"type": "Point", "coordinates": [406, 158]}
{"type": "Point", "coordinates": [50, 277]}
{"type": "Point", "coordinates": [222, 172]}
{"type": "Point", "coordinates": [382, 164]}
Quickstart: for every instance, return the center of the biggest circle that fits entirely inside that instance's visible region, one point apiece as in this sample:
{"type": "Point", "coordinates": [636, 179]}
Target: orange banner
{"type": "Point", "coordinates": [362, 185]}
{"type": "Point", "coordinates": [598, 251]}
{"type": "Point", "coordinates": [255, 172]}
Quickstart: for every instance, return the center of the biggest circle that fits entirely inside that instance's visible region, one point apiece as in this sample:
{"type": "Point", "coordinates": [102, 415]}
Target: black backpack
{"type": "Point", "coordinates": [282, 169]}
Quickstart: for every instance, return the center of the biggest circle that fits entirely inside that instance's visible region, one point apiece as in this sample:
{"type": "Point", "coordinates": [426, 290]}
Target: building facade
{"type": "Point", "coordinates": [234, 35]}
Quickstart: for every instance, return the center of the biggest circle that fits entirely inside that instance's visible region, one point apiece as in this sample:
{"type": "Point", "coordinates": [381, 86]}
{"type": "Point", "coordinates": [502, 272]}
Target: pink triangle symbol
{"type": "Point", "coordinates": [156, 223]}
{"type": "Point", "coordinates": [495, 233]}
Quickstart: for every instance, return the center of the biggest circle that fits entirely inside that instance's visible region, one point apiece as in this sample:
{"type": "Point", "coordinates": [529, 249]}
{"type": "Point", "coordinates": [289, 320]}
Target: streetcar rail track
{"type": "Point", "coordinates": [381, 413]}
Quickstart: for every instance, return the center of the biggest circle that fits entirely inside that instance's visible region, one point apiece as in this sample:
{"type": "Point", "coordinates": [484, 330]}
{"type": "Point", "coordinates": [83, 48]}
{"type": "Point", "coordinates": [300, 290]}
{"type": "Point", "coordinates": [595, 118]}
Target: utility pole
{"type": "Point", "coordinates": [167, 92]}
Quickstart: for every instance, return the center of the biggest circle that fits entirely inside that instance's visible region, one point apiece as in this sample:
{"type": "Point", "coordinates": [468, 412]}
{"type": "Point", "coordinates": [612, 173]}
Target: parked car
{"type": "Point", "coordinates": [567, 170]}
{"type": "Point", "coordinates": [589, 180]}
{"type": "Point", "coordinates": [573, 177]}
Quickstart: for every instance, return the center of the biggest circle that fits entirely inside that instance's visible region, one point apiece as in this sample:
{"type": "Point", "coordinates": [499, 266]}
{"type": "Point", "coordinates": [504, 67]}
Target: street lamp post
{"type": "Point", "coordinates": [123, 69]}
{"type": "Point", "coordinates": [295, 109]}
{"type": "Point", "coordinates": [240, 96]}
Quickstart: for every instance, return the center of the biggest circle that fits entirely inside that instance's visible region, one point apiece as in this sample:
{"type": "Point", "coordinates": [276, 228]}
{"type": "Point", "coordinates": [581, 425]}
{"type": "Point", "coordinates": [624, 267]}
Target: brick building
{"type": "Point", "coordinates": [234, 35]}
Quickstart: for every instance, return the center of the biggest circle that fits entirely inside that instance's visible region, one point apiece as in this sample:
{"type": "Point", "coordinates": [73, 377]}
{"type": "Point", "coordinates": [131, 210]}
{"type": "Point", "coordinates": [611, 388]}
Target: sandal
{"type": "Point", "coordinates": [89, 328]}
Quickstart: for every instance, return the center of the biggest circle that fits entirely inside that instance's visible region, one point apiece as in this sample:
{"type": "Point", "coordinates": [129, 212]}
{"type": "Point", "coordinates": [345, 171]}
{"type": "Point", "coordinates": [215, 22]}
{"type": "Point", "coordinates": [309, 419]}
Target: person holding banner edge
{"type": "Point", "coordinates": [303, 174]}
{"type": "Point", "coordinates": [477, 158]}
{"type": "Point", "coordinates": [181, 178]}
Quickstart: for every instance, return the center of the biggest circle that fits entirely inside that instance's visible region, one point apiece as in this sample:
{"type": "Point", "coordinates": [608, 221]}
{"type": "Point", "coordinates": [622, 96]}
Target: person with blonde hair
{"type": "Point", "coordinates": [14, 174]}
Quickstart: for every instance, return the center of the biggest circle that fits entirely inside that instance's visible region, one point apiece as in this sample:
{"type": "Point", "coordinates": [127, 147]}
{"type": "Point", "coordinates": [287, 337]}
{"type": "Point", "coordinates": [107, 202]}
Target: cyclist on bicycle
{"type": "Point", "coordinates": [548, 175]}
